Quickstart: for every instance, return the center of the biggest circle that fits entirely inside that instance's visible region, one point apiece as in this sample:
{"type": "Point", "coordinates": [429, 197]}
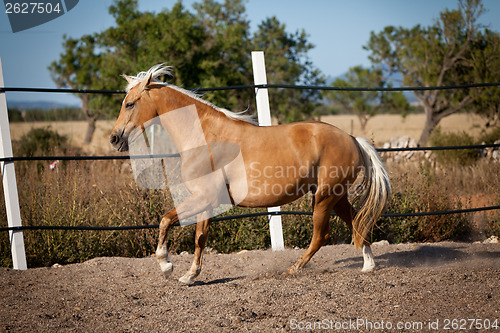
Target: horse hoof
{"type": "Point", "coordinates": [187, 278]}
{"type": "Point", "coordinates": [368, 268]}
{"type": "Point", "coordinates": [166, 268]}
{"type": "Point", "coordinates": [292, 271]}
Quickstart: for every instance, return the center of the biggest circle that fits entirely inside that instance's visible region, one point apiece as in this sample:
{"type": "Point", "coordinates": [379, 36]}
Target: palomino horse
{"type": "Point", "coordinates": [279, 164]}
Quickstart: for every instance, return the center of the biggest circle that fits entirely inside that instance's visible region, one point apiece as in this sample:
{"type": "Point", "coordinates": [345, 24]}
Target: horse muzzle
{"type": "Point", "coordinates": [119, 142]}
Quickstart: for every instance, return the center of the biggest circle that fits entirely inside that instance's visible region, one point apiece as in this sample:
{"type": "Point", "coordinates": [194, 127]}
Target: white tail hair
{"type": "Point", "coordinates": [372, 196]}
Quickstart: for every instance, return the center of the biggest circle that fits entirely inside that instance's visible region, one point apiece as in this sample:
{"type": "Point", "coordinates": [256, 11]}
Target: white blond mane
{"type": "Point", "coordinates": [163, 69]}
{"type": "Point", "coordinates": [155, 71]}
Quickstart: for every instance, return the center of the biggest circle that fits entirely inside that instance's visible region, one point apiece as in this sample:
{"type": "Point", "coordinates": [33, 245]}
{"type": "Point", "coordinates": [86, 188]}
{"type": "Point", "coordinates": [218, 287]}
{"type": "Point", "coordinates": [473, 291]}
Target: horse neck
{"type": "Point", "coordinates": [189, 122]}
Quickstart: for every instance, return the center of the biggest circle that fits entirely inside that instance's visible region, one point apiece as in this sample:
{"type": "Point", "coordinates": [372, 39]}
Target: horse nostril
{"type": "Point", "coordinates": [114, 139]}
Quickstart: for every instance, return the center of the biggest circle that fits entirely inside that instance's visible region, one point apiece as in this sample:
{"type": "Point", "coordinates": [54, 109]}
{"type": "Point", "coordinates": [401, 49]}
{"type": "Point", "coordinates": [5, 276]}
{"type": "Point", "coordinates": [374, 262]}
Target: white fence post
{"type": "Point", "coordinates": [10, 186]}
{"type": "Point", "coordinates": [264, 115]}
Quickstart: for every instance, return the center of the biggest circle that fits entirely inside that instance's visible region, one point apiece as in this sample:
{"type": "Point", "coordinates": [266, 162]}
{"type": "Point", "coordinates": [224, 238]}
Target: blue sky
{"type": "Point", "coordinates": [338, 29]}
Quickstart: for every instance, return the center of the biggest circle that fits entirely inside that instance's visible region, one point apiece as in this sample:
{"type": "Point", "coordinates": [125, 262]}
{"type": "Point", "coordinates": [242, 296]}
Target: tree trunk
{"type": "Point", "coordinates": [363, 120]}
{"type": "Point", "coordinates": [431, 121]}
{"type": "Point", "coordinates": [90, 130]}
{"type": "Point", "coordinates": [91, 119]}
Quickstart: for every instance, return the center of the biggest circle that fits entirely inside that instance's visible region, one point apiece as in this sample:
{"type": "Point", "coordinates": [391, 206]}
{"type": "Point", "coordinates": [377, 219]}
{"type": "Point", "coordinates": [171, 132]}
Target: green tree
{"type": "Point", "coordinates": [441, 54]}
{"type": "Point", "coordinates": [139, 40]}
{"type": "Point", "coordinates": [78, 68]}
{"type": "Point", "coordinates": [366, 104]}
{"type": "Point", "coordinates": [227, 52]}
{"type": "Point", "coordinates": [287, 62]}
{"type": "Point", "coordinates": [483, 65]}
{"type": "Point", "coordinates": [208, 48]}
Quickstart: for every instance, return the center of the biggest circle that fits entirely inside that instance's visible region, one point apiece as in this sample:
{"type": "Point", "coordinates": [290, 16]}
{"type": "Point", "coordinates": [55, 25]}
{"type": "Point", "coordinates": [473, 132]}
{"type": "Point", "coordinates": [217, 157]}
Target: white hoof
{"type": "Point", "coordinates": [368, 262]}
{"type": "Point", "coordinates": [166, 267]}
{"type": "Point", "coordinates": [163, 258]}
{"type": "Point", "coordinates": [187, 278]}
{"type": "Point", "coordinates": [368, 268]}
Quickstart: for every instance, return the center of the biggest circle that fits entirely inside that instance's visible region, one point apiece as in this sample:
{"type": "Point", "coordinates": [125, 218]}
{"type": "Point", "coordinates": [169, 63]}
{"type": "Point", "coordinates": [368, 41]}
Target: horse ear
{"type": "Point", "coordinates": [146, 82]}
{"type": "Point", "coordinates": [128, 78]}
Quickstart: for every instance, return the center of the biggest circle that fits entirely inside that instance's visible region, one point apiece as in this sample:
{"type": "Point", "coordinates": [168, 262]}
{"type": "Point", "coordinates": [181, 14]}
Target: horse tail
{"type": "Point", "coordinates": [373, 194]}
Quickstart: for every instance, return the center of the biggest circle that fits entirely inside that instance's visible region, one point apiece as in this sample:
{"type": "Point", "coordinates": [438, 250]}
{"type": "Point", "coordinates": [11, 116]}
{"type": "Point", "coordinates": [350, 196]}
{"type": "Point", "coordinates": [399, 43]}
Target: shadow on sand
{"type": "Point", "coordinates": [423, 255]}
{"type": "Point", "coordinates": [216, 281]}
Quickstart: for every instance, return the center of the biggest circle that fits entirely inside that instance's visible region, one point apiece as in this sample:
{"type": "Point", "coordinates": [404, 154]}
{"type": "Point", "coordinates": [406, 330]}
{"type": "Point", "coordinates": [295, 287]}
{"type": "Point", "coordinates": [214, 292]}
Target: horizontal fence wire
{"type": "Point", "coordinates": [493, 145]}
{"type": "Point", "coordinates": [85, 158]}
{"type": "Point", "coordinates": [258, 86]}
{"type": "Point", "coordinates": [131, 157]}
{"type": "Point", "coordinates": [241, 216]}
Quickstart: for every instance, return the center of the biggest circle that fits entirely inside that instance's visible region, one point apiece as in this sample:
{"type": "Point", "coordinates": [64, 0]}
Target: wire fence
{"type": "Point", "coordinates": [132, 157]}
{"type": "Point", "coordinates": [249, 215]}
{"type": "Point", "coordinates": [258, 86]}
{"type": "Point", "coordinates": [240, 216]}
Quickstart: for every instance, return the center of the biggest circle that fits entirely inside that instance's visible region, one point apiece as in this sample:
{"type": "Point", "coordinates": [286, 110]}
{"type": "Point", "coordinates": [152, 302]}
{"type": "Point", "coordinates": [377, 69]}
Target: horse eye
{"type": "Point", "coordinates": [130, 105]}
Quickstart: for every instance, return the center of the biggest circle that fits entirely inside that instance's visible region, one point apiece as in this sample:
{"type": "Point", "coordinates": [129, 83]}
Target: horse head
{"type": "Point", "coordinates": [138, 107]}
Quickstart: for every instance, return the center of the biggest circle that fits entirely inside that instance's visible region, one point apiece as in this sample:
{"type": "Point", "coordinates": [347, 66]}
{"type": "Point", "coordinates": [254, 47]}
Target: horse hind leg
{"type": "Point", "coordinates": [321, 224]}
{"type": "Point", "coordinates": [200, 240]}
{"type": "Point", "coordinates": [368, 262]}
{"type": "Point", "coordinates": [345, 211]}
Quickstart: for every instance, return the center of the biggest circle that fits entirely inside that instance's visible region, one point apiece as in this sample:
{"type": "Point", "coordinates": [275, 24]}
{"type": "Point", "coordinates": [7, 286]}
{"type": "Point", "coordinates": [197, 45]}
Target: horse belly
{"type": "Point", "coordinates": [277, 184]}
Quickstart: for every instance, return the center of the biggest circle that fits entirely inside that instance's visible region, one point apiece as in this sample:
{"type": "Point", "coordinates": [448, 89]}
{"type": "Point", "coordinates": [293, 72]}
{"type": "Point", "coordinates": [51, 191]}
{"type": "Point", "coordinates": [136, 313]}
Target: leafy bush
{"type": "Point", "coordinates": [489, 137]}
{"type": "Point", "coordinates": [41, 141]}
{"type": "Point", "coordinates": [56, 114]}
{"type": "Point", "coordinates": [77, 196]}
{"type": "Point", "coordinates": [456, 156]}
{"type": "Point", "coordinates": [493, 217]}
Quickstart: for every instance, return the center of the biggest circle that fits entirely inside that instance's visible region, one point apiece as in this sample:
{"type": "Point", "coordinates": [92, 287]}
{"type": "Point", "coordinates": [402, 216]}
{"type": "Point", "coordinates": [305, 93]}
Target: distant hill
{"type": "Point", "coordinates": [394, 78]}
{"type": "Point", "coordinates": [44, 105]}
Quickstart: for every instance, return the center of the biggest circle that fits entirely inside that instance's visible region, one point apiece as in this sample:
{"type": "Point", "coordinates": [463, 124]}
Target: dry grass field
{"type": "Point", "coordinates": [379, 129]}
{"type": "Point", "coordinates": [382, 127]}
{"type": "Point", "coordinates": [74, 130]}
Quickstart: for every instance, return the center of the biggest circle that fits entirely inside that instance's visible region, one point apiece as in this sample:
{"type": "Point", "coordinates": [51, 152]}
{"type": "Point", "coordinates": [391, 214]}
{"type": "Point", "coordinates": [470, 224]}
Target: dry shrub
{"type": "Point", "coordinates": [420, 188]}
{"type": "Point", "coordinates": [104, 193]}
{"type": "Point", "coordinates": [85, 194]}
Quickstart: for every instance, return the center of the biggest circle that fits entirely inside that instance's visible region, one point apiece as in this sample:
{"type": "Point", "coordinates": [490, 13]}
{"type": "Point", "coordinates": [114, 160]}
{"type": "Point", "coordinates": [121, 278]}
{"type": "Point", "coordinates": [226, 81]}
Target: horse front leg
{"type": "Point", "coordinates": [194, 205]}
{"type": "Point", "coordinates": [162, 254]}
{"type": "Point", "coordinates": [200, 241]}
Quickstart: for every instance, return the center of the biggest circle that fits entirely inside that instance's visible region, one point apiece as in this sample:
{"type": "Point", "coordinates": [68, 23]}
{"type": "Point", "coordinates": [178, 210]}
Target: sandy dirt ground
{"type": "Point", "coordinates": [416, 287]}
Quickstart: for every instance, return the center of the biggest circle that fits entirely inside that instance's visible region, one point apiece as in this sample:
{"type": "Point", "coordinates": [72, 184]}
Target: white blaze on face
{"type": "Point", "coordinates": [213, 172]}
